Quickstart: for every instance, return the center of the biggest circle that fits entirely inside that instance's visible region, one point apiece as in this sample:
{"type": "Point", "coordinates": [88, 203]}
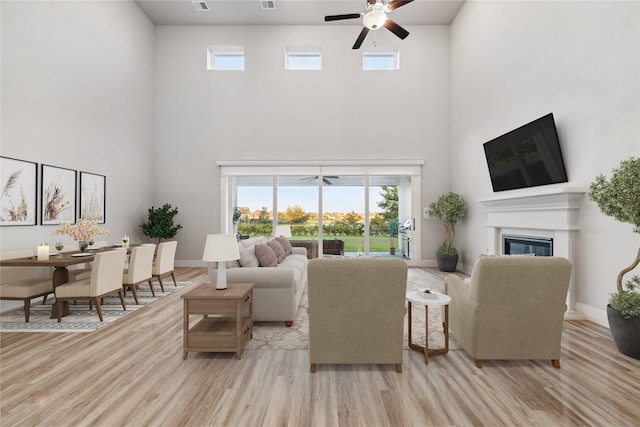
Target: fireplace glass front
{"type": "Point", "coordinates": [525, 245]}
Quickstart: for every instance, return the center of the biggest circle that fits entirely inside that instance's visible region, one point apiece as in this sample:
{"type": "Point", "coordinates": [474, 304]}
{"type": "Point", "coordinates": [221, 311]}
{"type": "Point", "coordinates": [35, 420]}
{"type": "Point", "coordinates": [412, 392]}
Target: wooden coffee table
{"type": "Point", "coordinates": [227, 318]}
{"type": "Point", "coordinates": [437, 301]}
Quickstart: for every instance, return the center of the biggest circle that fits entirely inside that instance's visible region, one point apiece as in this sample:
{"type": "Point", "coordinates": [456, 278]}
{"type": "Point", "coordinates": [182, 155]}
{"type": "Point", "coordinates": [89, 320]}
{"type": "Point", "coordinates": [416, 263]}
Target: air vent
{"type": "Point", "coordinates": [268, 4]}
{"type": "Point", "coordinates": [201, 6]}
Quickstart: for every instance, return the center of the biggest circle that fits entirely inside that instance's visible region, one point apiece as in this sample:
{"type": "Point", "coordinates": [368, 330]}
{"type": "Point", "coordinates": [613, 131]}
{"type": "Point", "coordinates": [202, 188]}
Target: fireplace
{"type": "Point", "coordinates": [527, 245]}
{"type": "Point", "coordinates": [547, 215]}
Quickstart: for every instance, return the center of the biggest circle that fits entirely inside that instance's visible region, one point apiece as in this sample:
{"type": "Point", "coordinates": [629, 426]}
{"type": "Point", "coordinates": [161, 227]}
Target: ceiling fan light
{"type": "Point", "coordinates": [375, 19]}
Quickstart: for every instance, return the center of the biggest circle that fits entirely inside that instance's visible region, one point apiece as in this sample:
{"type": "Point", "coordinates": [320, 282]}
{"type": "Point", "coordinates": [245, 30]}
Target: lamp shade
{"type": "Point", "coordinates": [283, 230]}
{"type": "Point", "coordinates": [220, 247]}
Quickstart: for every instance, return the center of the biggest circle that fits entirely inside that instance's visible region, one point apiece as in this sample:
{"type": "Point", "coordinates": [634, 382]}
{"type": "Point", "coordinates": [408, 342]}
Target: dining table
{"type": "Point", "coordinates": [60, 263]}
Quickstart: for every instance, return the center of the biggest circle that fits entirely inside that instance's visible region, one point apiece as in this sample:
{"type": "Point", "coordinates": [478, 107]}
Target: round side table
{"type": "Point", "coordinates": [439, 300]}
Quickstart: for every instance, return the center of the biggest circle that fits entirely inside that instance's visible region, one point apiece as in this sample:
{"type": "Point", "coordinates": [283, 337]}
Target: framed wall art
{"type": "Point", "coordinates": [58, 195]}
{"type": "Point", "coordinates": [92, 196]}
{"type": "Point", "coordinates": [18, 202]}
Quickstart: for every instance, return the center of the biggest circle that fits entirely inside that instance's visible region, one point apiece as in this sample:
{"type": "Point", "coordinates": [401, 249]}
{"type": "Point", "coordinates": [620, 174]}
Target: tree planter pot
{"type": "Point", "coordinates": [447, 262]}
{"type": "Point", "coordinates": [392, 251]}
{"type": "Point", "coordinates": [626, 333]}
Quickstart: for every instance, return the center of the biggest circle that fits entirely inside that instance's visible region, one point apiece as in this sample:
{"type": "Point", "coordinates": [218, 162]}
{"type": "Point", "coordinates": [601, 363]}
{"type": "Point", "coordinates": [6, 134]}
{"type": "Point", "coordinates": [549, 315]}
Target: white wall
{"type": "Point", "coordinates": [77, 92]}
{"type": "Point", "coordinates": [268, 113]}
{"type": "Point", "coordinates": [513, 62]}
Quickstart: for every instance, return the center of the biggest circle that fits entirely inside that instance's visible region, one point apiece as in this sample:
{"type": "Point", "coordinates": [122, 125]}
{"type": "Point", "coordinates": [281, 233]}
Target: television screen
{"type": "Point", "coordinates": [526, 157]}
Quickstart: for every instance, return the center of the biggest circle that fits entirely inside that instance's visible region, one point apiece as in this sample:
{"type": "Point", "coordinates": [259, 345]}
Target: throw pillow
{"type": "Point", "coordinates": [278, 249]}
{"type": "Point", "coordinates": [248, 257]}
{"type": "Point", "coordinates": [266, 256]}
{"type": "Point", "coordinates": [288, 249]}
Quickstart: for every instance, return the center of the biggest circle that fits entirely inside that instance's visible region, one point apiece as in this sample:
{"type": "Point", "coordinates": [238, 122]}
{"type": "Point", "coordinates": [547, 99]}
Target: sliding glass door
{"type": "Point", "coordinates": [368, 212]}
{"type": "Point", "coordinates": [298, 206]}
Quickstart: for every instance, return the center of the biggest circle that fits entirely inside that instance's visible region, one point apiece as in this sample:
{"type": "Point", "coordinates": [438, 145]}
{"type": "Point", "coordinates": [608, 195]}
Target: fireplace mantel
{"type": "Point", "coordinates": [549, 213]}
{"type": "Point", "coordinates": [556, 209]}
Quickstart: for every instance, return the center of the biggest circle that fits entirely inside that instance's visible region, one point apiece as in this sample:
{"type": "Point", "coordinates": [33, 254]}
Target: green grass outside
{"type": "Point", "coordinates": [355, 243]}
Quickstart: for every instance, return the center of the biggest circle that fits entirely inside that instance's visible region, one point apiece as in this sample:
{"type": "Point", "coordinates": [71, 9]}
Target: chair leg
{"type": "Point", "coordinates": [399, 368]}
{"type": "Point", "coordinates": [27, 309]}
{"type": "Point", "coordinates": [313, 368]}
{"type": "Point", "coordinates": [174, 279]}
{"type": "Point", "coordinates": [121, 295]}
{"type": "Point", "coordinates": [44, 299]}
{"type": "Point", "coordinates": [90, 304]}
{"type": "Point", "coordinates": [98, 308]}
{"type": "Point", "coordinates": [288, 323]}
{"type": "Point", "coordinates": [135, 294]}
{"type": "Point", "coordinates": [151, 287]}
{"type": "Point", "coordinates": [161, 285]}
{"type": "Point", "coordinates": [478, 363]}
{"type": "Point", "coordinates": [555, 363]}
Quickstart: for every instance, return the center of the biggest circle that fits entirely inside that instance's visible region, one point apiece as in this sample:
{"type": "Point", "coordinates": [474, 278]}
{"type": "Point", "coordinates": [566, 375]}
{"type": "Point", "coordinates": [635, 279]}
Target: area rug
{"type": "Point", "coordinates": [275, 335]}
{"type": "Point", "coordinates": [81, 319]}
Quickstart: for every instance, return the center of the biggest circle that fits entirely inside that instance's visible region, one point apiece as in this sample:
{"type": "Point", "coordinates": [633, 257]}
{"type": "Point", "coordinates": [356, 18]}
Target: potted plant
{"type": "Point", "coordinates": [393, 235]}
{"type": "Point", "coordinates": [236, 218]}
{"type": "Point", "coordinates": [160, 223]}
{"type": "Point", "coordinates": [619, 197]}
{"type": "Point", "coordinates": [449, 209]}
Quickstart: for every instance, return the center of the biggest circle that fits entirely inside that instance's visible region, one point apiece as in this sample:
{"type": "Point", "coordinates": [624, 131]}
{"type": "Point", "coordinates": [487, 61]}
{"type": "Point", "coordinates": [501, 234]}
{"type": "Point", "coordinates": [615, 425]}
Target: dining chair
{"type": "Point", "coordinates": [82, 271]}
{"type": "Point", "coordinates": [106, 279]}
{"type": "Point", "coordinates": [23, 283]}
{"type": "Point", "coordinates": [164, 262]}
{"type": "Point", "coordinates": [139, 269]}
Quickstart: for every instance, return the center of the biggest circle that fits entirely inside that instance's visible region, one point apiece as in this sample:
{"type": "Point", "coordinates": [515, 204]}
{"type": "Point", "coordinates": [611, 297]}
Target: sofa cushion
{"type": "Point", "coordinates": [266, 256]}
{"type": "Point", "coordinates": [252, 241]}
{"type": "Point", "coordinates": [278, 249]}
{"type": "Point", "coordinates": [288, 249]}
{"type": "Point", "coordinates": [248, 256]}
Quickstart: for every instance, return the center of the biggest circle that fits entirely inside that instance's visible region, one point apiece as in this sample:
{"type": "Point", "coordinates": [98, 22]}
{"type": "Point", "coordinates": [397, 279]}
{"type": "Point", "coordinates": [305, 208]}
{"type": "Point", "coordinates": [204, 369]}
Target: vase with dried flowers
{"type": "Point", "coordinates": [82, 232]}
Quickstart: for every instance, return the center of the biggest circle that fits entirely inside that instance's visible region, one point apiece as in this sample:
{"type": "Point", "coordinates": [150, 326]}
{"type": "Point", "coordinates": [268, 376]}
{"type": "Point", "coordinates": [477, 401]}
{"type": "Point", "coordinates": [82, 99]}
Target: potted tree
{"type": "Point", "coordinates": [449, 209]}
{"type": "Point", "coordinates": [393, 235]}
{"type": "Point", "coordinates": [619, 197]}
{"type": "Point", "coordinates": [159, 224]}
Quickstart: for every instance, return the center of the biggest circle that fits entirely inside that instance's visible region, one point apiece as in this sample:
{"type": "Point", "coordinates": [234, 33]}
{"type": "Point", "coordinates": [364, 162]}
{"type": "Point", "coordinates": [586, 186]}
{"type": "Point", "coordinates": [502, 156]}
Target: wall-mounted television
{"type": "Point", "coordinates": [526, 157]}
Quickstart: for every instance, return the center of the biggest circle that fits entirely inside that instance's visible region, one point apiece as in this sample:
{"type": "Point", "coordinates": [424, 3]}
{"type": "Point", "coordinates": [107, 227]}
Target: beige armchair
{"type": "Point", "coordinates": [356, 310]}
{"type": "Point", "coordinates": [510, 308]}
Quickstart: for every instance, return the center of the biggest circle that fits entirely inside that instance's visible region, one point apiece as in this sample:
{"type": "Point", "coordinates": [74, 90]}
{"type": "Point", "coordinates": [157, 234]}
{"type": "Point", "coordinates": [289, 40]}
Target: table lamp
{"type": "Point", "coordinates": [283, 230]}
{"type": "Point", "coordinates": [221, 248]}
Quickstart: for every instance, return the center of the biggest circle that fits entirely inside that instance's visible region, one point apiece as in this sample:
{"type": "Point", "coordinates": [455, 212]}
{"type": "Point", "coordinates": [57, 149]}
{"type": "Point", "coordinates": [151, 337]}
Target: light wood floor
{"type": "Point", "coordinates": [131, 373]}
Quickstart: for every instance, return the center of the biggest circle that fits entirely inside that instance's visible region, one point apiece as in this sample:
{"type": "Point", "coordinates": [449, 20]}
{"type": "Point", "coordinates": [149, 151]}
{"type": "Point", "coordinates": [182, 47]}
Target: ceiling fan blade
{"type": "Point", "coordinates": [396, 29]}
{"type": "Point", "coordinates": [326, 181]}
{"type": "Point", "coordinates": [360, 38]}
{"type": "Point", "coordinates": [394, 4]}
{"type": "Point", "coordinates": [340, 17]}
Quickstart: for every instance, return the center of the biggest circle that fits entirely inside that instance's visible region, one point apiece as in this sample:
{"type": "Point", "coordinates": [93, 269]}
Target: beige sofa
{"type": "Point", "coordinates": [510, 308]}
{"type": "Point", "coordinates": [278, 290]}
{"type": "Point", "coordinates": [356, 310]}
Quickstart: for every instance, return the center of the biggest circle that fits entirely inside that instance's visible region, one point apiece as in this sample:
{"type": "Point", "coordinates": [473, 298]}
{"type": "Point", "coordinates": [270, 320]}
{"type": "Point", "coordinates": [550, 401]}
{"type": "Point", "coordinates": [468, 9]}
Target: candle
{"type": "Point", "coordinates": [43, 252]}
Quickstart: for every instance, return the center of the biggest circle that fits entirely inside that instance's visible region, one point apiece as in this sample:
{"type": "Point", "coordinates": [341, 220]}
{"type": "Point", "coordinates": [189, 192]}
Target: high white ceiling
{"type": "Point", "coordinates": [292, 12]}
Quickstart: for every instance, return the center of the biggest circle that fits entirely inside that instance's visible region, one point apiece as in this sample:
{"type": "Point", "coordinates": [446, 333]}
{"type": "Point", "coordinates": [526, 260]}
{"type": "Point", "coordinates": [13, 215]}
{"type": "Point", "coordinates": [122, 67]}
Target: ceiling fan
{"type": "Point", "coordinates": [374, 17]}
{"type": "Point", "coordinates": [325, 178]}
